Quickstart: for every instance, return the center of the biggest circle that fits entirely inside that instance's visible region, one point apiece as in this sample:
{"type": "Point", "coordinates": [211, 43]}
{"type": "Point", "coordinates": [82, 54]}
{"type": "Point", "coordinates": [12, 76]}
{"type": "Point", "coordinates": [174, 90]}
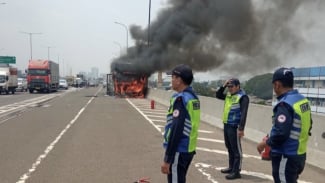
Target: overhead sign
{"type": "Point", "coordinates": [7, 60]}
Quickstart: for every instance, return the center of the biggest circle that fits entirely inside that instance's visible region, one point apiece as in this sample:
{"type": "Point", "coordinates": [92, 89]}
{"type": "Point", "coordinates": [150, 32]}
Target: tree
{"type": "Point", "coordinates": [260, 86]}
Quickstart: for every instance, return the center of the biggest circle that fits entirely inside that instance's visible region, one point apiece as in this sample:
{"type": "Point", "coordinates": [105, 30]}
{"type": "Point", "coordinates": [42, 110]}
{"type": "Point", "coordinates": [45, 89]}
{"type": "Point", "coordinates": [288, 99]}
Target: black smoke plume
{"type": "Point", "coordinates": [233, 35]}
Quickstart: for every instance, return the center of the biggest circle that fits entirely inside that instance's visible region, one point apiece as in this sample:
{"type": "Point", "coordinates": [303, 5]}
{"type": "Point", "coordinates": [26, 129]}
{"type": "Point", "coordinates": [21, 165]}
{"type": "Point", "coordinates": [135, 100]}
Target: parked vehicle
{"type": "Point", "coordinates": [8, 79]}
{"type": "Point", "coordinates": [63, 84]}
{"type": "Point", "coordinates": [22, 85]}
{"type": "Point", "coordinates": [43, 76]}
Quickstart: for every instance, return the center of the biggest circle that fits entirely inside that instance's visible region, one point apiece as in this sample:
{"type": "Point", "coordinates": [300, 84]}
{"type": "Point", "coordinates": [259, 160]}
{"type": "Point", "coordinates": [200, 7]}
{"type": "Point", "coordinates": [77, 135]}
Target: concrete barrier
{"type": "Point", "coordinates": [258, 123]}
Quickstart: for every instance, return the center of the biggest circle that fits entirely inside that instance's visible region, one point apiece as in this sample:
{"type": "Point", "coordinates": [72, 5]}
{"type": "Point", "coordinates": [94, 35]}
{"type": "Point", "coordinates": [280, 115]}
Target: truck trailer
{"type": "Point", "coordinates": [43, 76]}
{"type": "Point", "coordinates": [8, 79]}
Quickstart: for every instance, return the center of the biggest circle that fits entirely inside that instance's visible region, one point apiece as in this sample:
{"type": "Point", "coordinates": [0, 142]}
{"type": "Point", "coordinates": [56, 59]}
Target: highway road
{"type": "Point", "coordinates": [82, 135]}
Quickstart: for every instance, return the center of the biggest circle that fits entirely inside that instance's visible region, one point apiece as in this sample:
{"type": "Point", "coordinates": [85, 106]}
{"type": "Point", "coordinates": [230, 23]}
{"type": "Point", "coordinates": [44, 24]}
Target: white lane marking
{"type": "Point", "coordinates": [205, 131]}
{"type": "Point", "coordinates": [164, 111]}
{"type": "Point", "coordinates": [148, 119]}
{"type": "Point", "coordinates": [203, 166]}
{"type": "Point", "coordinates": [155, 116]}
{"type": "Point", "coordinates": [198, 165]}
{"type": "Point", "coordinates": [49, 148]}
{"type": "Point", "coordinates": [154, 112]}
{"type": "Point", "coordinates": [225, 152]}
{"type": "Point", "coordinates": [210, 140]}
{"type": "Point", "coordinates": [158, 120]}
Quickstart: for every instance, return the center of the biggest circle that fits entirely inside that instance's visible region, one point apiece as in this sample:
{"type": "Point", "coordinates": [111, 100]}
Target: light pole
{"type": "Point", "coordinates": [118, 44]}
{"type": "Point", "coordinates": [30, 42]}
{"type": "Point", "coordinates": [149, 23]}
{"type": "Point", "coordinates": [48, 52]}
{"type": "Point", "coordinates": [127, 35]}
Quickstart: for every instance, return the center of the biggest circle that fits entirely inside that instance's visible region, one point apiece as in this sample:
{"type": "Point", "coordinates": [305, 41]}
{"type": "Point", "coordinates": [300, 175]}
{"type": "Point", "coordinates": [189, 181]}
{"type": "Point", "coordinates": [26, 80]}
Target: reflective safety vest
{"type": "Point", "coordinates": [191, 124]}
{"type": "Point", "coordinates": [296, 144]}
{"type": "Point", "coordinates": [231, 113]}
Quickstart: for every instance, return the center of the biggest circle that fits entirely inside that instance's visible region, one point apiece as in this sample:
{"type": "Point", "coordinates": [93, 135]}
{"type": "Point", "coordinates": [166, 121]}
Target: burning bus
{"type": "Point", "coordinates": [128, 80]}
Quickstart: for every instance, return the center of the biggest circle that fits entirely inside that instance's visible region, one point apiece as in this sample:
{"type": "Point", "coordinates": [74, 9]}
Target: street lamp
{"type": "Point", "coordinates": [127, 35]}
{"type": "Point", "coordinates": [149, 23]}
{"type": "Point", "coordinates": [2, 3]}
{"type": "Point", "coordinates": [48, 52]}
{"type": "Point", "coordinates": [118, 44]}
{"type": "Point", "coordinates": [30, 42]}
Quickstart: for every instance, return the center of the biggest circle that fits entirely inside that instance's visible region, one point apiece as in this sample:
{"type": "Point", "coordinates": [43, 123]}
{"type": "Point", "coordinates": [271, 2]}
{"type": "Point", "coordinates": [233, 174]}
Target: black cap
{"type": "Point", "coordinates": [184, 72]}
{"type": "Point", "coordinates": [284, 75]}
{"type": "Point", "coordinates": [233, 81]}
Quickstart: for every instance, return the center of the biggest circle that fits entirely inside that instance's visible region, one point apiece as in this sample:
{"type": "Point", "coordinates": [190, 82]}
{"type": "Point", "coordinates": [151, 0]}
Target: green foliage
{"type": "Point", "coordinates": [203, 88]}
{"type": "Point", "coordinates": [260, 86]}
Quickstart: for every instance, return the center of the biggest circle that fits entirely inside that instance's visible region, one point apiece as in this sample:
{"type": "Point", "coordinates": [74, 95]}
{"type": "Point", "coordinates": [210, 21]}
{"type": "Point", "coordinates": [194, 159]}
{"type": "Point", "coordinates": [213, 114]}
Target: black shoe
{"type": "Point", "coordinates": [226, 170]}
{"type": "Point", "coordinates": [233, 176]}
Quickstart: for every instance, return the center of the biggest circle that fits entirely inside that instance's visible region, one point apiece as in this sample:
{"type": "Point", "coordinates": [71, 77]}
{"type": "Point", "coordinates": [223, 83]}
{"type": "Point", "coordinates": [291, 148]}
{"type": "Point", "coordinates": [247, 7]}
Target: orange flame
{"type": "Point", "coordinates": [135, 88]}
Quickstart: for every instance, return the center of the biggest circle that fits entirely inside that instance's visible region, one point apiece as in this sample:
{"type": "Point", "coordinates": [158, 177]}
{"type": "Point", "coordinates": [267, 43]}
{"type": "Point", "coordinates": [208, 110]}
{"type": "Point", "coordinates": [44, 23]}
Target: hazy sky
{"type": "Point", "coordinates": [80, 33]}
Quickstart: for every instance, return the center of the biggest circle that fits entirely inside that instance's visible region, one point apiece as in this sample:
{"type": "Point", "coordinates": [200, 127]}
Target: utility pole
{"type": "Point", "coordinates": [149, 23]}
{"type": "Point", "coordinates": [30, 42]}
{"type": "Point", "coordinates": [48, 52]}
{"type": "Point", "coordinates": [118, 44]}
{"type": "Point", "coordinates": [127, 35]}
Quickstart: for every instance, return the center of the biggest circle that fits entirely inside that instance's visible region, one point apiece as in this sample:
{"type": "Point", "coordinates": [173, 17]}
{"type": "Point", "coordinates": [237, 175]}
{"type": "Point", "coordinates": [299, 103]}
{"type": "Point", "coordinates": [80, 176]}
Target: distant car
{"type": "Point", "coordinates": [22, 85]}
{"type": "Point", "coordinates": [63, 84]}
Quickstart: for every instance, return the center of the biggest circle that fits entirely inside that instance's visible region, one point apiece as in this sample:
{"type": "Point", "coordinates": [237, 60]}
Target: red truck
{"type": "Point", "coordinates": [43, 76]}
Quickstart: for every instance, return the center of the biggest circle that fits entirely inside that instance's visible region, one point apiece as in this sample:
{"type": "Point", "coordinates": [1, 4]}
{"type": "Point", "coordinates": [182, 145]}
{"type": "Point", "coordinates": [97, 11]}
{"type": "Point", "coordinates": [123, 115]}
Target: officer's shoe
{"type": "Point", "coordinates": [234, 175]}
{"type": "Point", "coordinates": [226, 170]}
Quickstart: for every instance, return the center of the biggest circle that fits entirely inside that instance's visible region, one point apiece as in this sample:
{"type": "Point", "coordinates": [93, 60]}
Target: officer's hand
{"type": "Point", "coordinates": [261, 146]}
{"type": "Point", "coordinates": [165, 168]}
{"type": "Point", "coordinates": [226, 82]}
{"type": "Point", "coordinates": [240, 133]}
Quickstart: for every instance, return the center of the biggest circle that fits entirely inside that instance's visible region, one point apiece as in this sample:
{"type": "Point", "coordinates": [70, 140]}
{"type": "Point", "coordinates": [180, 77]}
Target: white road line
{"type": "Point", "coordinates": [146, 117]}
{"type": "Point", "coordinates": [153, 112]}
{"type": "Point", "coordinates": [158, 120]}
{"type": "Point", "coordinates": [49, 148]}
{"type": "Point", "coordinates": [202, 167]}
{"type": "Point", "coordinates": [156, 110]}
{"type": "Point", "coordinates": [210, 140]}
{"type": "Point", "coordinates": [155, 116]}
{"type": "Point", "coordinates": [225, 152]}
{"type": "Point", "coordinates": [206, 131]}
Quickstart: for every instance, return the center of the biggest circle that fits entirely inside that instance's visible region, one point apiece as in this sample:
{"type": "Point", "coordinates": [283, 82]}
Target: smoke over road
{"type": "Point", "coordinates": [246, 36]}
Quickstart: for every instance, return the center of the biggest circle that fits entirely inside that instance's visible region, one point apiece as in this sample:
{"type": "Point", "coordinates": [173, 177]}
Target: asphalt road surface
{"type": "Point", "coordinates": [83, 136]}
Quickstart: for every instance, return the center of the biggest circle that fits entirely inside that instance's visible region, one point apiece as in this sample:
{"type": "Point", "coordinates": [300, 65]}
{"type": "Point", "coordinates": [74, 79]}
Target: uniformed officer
{"type": "Point", "coordinates": [181, 130]}
{"type": "Point", "coordinates": [291, 128]}
{"type": "Point", "coordinates": [234, 119]}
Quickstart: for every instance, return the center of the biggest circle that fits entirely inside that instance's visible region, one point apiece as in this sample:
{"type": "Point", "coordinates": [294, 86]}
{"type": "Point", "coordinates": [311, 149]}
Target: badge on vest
{"type": "Point", "coordinates": [196, 105]}
{"type": "Point", "coordinates": [282, 118]}
{"type": "Point", "coordinates": [176, 113]}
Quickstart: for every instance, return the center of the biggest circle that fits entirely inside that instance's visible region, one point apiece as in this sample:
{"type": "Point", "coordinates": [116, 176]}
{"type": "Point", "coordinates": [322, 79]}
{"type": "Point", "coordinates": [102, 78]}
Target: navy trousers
{"type": "Point", "coordinates": [287, 168]}
{"type": "Point", "coordinates": [233, 144]}
{"type": "Point", "coordinates": [179, 167]}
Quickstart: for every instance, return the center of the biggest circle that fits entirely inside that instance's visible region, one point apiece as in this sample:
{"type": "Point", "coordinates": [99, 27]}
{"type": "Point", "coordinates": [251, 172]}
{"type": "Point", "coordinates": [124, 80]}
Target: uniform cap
{"type": "Point", "coordinates": [233, 82]}
{"type": "Point", "coordinates": [184, 72]}
{"type": "Point", "coordinates": [283, 74]}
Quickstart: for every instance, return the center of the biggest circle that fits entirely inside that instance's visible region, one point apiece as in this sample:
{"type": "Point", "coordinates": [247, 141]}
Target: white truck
{"type": "Point", "coordinates": [8, 79]}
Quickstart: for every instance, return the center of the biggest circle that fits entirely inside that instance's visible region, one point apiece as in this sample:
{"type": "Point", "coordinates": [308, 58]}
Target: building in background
{"type": "Point", "coordinates": [94, 73]}
{"type": "Point", "coordinates": [310, 81]}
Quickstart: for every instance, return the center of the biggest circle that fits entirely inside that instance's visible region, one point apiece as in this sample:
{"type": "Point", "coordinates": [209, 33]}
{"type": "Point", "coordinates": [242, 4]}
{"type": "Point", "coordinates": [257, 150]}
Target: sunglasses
{"type": "Point", "coordinates": [230, 86]}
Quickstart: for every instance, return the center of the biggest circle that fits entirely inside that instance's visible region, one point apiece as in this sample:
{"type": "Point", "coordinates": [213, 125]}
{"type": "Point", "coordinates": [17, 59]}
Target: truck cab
{"type": "Point", "coordinates": [8, 80]}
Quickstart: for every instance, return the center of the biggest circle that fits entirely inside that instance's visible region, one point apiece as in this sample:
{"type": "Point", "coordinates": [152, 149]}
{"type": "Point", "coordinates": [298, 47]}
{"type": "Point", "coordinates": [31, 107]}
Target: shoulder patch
{"type": "Point", "coordinates": [281, 118]}
{"type": "Point", "coordinates": [176, 113]}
